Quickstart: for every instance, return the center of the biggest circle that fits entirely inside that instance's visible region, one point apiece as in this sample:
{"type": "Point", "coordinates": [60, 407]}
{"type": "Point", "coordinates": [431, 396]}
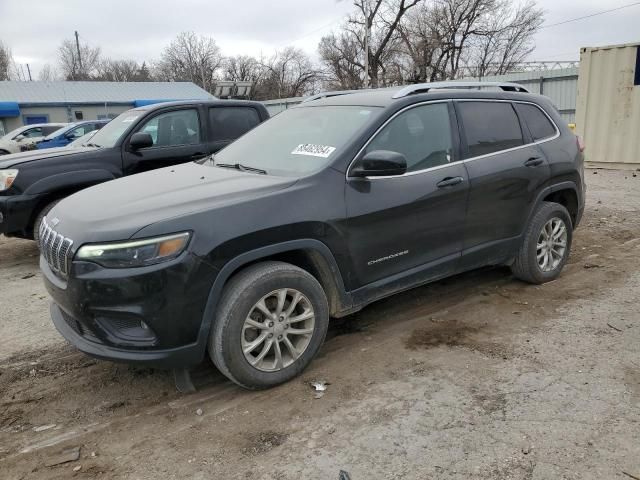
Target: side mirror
{"type": "Point", "coordinates": [380, 163]}
{"type": "Point", "coordinates": [140, 140]}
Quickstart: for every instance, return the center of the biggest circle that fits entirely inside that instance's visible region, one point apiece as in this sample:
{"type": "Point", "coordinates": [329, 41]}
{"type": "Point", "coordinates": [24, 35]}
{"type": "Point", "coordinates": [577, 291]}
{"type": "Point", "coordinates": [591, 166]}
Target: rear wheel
{"type": "Point", "coordinates": [38, 221]}
{"type": "Point", "coordinates": [545, 246]}
{"type": "Point", "coordinates": [271, 321]}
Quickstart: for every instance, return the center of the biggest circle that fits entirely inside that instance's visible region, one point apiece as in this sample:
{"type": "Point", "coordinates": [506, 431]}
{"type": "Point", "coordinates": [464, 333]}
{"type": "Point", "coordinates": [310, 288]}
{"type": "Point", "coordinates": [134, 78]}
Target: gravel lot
{"type": "Point", "coordinates": [479, 376]}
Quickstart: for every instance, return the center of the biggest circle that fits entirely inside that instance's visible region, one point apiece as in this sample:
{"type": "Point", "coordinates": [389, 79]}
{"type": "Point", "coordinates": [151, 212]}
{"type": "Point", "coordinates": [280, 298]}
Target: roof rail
{"type": "Point", "coordinates": [425, 87]}
{"type": "Point", "coordinates": [337, 93]}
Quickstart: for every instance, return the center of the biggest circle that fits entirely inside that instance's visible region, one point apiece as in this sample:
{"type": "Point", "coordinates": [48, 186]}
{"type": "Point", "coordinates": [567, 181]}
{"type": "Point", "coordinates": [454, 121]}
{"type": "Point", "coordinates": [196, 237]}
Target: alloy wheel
{"type": "Point", "coordinates": [277, 330]}
{"type": "Point", "coordinates": [552, 245]}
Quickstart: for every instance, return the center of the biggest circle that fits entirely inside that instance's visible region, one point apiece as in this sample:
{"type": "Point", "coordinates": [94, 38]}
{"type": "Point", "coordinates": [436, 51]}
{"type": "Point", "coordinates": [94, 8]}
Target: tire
{"type": "Point", "coordinates": [38, 221]}
{"type": "Point", "coordinates": [527, 265]}
{"type": "Point", "coordinates": [230, 336]}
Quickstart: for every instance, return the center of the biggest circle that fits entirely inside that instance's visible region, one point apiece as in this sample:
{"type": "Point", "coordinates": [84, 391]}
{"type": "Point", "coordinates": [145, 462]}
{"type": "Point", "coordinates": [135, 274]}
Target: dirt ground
{"type": "Point", "coordinates": [478, 376]}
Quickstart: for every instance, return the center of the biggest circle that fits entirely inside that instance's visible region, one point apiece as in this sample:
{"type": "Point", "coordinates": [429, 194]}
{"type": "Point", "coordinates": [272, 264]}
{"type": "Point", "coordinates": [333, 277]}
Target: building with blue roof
{"type": "Point", "coordinates": [25, 103]}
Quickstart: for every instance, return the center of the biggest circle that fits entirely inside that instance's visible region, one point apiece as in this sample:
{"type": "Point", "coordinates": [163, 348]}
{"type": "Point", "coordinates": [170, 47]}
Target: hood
{"type": "Point", "coordinates": [117, 209]}
{"type": "Point", "coordinates": [15, 159]}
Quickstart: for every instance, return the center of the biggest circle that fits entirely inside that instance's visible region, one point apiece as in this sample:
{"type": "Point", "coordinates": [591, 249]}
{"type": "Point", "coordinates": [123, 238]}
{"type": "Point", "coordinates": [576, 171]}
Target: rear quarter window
{"type": "Point", "coordinates": [537, 121]}
{"type": "Point", "coordinates": [229, 123]}
{"type": "Point", "coordinates": [490, 127]}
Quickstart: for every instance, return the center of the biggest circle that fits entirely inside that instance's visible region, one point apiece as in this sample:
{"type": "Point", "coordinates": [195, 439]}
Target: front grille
{"type": "Point", "coordinates": [55, 248]}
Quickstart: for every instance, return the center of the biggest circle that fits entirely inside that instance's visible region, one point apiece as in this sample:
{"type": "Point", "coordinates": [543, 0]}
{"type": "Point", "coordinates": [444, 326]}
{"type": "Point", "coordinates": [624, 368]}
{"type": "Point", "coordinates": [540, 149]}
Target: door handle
{"type": "Point", "coordinates": [533, 162]}
{"type": "Point", "coordinates": [450, 182]}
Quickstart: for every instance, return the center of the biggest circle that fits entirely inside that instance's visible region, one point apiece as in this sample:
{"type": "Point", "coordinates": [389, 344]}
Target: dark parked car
{"type": "Point", "coordinates": [324, 209]}
{"type": "Point", "coordinates": [142, 139]}
{"type": "Point", "coordinates": [65, 135]}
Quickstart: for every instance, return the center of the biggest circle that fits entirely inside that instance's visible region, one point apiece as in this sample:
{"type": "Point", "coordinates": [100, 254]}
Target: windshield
{"type": "Point", "coordinates": [109, 135]}
{"type": "Point", "coordinates": [297, 142]}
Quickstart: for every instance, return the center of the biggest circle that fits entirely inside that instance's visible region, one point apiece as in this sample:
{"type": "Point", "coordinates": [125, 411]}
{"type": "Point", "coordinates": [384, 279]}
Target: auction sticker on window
{"type": "Point", "coordinates": [314, 150]}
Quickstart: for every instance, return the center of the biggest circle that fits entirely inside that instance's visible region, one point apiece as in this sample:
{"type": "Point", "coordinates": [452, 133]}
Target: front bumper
{"type": "Point", "coordinates": [16, 213]}
{"type": "Point", "coordinates": [150, 315]}
{"type": "Point", "coordinates": [179, 357]}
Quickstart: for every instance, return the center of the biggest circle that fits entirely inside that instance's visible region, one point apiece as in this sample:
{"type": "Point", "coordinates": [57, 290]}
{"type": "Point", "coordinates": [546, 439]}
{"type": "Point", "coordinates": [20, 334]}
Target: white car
{"type": "Point", "coordinates": [16, 140]}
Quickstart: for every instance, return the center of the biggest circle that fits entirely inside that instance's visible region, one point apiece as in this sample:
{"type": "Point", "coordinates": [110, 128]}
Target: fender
{"type": "Point", "coordinates": [556, 187]}
{"type": "Point", "coordinates": [77, 179]}
{"type": "Point", "coordinates": [265, 252]}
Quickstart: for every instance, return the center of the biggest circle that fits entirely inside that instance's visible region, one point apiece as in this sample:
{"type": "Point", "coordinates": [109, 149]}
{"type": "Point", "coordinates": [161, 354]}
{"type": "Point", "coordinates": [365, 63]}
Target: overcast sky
{"type": "Point", "coordinates": [140, 29]}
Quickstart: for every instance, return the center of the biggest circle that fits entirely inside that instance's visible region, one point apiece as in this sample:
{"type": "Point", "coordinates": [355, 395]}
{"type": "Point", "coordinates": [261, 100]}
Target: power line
{"type": "Point", "coordinates": [313, 31]}
{"type": "Point", "coordinates": [589, 16]}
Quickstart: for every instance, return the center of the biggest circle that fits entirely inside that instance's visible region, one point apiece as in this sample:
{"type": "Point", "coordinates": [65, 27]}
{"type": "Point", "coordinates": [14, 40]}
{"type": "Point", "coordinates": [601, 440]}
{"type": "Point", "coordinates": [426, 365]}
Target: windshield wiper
{"type": "Point", "coordinates": [92, 145]}
{"type": "Point", "coordinates": [242, 168]}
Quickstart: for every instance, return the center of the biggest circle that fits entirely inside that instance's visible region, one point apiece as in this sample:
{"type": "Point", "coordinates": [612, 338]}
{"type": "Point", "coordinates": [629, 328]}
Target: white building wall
{"type": "Point", "coordinates": [64, 114]}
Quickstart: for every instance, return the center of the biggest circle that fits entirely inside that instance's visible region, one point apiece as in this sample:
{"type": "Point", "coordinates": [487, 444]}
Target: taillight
{"type": "Point", "coordinates": [580, 143]}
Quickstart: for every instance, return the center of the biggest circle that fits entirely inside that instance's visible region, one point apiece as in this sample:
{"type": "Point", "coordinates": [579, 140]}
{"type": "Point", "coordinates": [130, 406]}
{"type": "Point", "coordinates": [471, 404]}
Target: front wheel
{"type": "Point", "coordinates": [271, 321]}
{"type": "Point", "coordinates": [546, 244]}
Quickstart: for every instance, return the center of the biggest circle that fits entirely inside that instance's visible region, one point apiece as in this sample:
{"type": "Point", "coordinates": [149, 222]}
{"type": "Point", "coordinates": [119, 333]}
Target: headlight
{"type": "Point", "coordinates": [135, 253]}
{"type": "Point", "coordinates": [7, 178]}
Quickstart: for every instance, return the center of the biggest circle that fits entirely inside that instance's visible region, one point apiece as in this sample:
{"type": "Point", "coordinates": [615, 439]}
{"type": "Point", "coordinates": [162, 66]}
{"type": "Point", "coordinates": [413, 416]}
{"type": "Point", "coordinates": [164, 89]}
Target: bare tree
{"type": "Point", "coordinates": [287, 73]}
{"type": "Point", "coordinates": [78, 67]}
{"type": "Point", "coordinates": [343, 61]}
{"type": "Point", "coordinates": [122, 71]}
{"type": "Point", "coordinates": [8, 68]}
{"type": "Point", "coordinates": [242, 68]}
{"type": "Point", "coordinates": [47, 73]}
{"type": "Point", "coordinates": [74, 65]}
{"type": "Point", "coordinates": [191, 57]}
{"type": "Point", "coordinates": [381, 18]}
{"type": "Point", "coordinates": [508, 39]}
{"type": "Point", "coordinates": [448, 39]}
{"type": "Point", "coordinates": [368, 41]}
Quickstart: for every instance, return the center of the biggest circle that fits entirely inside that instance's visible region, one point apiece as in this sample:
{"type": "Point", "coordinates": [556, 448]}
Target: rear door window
{"type": "Point", "coordinates": [490, 127]}
{"type": "Point", "coordinates": [538, 123]}
{"type": "Point", "coordinates": [229, 123]}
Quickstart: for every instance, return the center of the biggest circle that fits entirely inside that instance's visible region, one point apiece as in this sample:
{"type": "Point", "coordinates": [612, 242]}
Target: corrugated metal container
{"type": "Point", "coordinates": [560, 85]}
{"type": "Point", "coordinates": [608, 106]}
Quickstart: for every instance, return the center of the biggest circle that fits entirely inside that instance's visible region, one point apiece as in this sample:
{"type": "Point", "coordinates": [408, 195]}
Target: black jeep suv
{"type": "Point", "coordinates": [138, 140]}
{"type": "Point", "coordinates": [323, 209]}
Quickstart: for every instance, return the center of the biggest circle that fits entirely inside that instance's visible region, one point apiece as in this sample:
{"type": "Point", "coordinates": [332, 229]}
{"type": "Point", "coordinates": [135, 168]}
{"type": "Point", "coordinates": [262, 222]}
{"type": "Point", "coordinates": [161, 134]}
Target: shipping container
{"type": "Point", "coordinates": [608, 105]}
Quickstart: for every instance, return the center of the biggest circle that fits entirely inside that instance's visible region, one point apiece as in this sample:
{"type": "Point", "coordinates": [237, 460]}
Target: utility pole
{"type": "Point", "coordinates": [78, 50]}
{"type": "Point", "coordinates": [29, 70]}
{"type": "Point", "coordinates": [367, 29]}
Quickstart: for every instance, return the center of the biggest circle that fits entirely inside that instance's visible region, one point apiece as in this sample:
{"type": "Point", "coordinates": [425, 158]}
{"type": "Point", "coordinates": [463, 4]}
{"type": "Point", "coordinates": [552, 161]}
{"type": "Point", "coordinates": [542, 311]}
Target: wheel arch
{"type": "Point", "coordinates": [309, 254]}
{"type": "Point", "coordinates": [558, 193]}
{"type": "Point", "coordinates": [76, 180]}
{"type": "Point", "coordinates": [567, 196]}
{"type": "Point", "coordinates": [57, 187]}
